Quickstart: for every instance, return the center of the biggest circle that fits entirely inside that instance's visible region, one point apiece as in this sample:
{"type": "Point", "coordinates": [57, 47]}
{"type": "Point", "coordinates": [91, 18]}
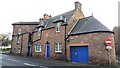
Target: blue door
{"type": "Point", "coordinates": [47, 51]}
{"type": "Point", "coordinates": [28, 51]}
{"type": "Point", "coordinates": [79, 54]}
{"type": "Point", "coordinates": [74, 56]}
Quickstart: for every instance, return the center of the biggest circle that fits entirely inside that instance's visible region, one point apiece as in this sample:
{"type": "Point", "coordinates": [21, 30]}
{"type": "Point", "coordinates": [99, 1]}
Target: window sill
{"type": "Point", "coordinates": [57, 31]}
{"type": "Point", "coordinates": [58, 52]}
{"type": "Point", "coordinates": [38, 51]}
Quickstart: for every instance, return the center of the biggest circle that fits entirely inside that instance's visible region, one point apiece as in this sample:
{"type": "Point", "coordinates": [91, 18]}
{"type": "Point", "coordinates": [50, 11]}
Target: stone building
{"type": "Point", "coordinates": [69, 36]}
{"type": "Point", "coordinates": [116, 31]}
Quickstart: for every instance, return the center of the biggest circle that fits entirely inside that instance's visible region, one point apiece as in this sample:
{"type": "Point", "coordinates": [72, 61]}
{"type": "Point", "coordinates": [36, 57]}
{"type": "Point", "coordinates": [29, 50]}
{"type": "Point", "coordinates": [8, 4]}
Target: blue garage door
{"type": "Point", "coordinates": [79, 54]}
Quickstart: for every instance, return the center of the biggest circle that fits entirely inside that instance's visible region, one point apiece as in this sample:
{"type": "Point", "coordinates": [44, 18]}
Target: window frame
{"type": "Point", "coordinates": [59, 47]}
{"type": "Point", "coordinates": [40, 48]}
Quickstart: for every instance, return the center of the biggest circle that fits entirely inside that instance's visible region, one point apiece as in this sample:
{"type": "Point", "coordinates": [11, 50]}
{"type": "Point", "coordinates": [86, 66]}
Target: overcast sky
{"type": "Point", "coordinates": [11, 11]}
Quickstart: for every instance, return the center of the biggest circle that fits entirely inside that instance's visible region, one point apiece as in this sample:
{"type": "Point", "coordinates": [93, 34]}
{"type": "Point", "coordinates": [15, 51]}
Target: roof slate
{"type": "Point", "coordinates": [87, 25]}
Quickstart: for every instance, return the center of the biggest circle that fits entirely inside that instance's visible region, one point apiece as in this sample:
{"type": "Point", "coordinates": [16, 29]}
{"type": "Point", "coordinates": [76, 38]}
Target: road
{"type": "Point", "coordinates": [10, 61]}
{"type": "Point", "coordinates": [17, 61]}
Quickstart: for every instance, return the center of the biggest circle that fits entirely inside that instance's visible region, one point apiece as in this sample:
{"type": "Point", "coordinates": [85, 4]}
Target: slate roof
{"type": "Point", "coordinates": [51, 20]}
{"type": "Point", "coordinates": [26, 23]}
{"type": "Point", "coordinates": [41, 25]}
{"type": "Point", "coordinates": [88, 25]}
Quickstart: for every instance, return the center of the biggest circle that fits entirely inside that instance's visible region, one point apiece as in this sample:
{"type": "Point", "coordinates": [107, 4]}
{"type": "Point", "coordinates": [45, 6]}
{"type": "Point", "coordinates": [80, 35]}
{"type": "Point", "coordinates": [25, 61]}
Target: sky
{"type": "Point", "coordinates": [11, 11]}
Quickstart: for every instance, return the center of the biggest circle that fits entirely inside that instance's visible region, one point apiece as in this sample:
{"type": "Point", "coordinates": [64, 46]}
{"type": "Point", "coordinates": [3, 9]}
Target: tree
{"type": "Point", "coordinates": [1, 39]}
{"type": "Point", "coordinates": [4, 40]}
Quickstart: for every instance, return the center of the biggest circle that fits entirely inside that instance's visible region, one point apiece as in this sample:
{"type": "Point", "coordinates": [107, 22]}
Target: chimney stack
{"type": "Point", "coordinates": [46, 16]}
{"type": "Point", "coordinates": [78, 5]}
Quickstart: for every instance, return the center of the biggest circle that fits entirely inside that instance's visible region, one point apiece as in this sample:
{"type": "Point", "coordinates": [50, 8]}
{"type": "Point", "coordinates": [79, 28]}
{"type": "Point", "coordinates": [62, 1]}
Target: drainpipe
{"type": "Point", "coordinates": [65, 40]}
{"type": "Point", "coordinates": [65, 21]}
{"type": "Point", "coordinates": [31, 43]}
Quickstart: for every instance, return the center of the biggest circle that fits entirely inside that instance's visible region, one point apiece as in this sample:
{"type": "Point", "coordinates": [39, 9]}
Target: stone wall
{"type": "Point", "coordinates": [96, 46]}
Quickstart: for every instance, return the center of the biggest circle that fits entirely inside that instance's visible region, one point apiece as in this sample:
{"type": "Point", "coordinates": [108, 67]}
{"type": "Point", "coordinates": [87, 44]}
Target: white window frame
{"type": "Point", "coordinates": [58, 47]}
{"type": "Point", "coordinates": [39, 31]}
{"type": "Point", "coordinates": [58, 27]}
{"type": "Point", "coordinates": [38, 49]}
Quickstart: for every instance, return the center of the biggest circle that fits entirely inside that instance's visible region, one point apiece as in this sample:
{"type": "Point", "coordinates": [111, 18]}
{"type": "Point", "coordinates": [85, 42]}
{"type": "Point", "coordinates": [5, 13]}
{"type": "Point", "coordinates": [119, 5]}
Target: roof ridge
{"type": "Point", "coordinates": [60, 14]}
{"type": "Point", "coordinates": [64, 13]}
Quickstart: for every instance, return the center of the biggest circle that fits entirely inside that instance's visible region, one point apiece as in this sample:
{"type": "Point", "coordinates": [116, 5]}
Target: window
{"type": "Point", "coordinates": [58, 27]}
{"type": "Point", "coordinates": [19, 31]}
{"type": "Point", "coordinates": [18, 37]}
{"type": "Point", "coordinates": [18, 50]}
{"type": "Point", "coordinates": [58, 47]}
{"type": "Point", "coordinates": [14, 49]}
{"type": "Point", "coordinates": [38, 48]}
{"type": "Point", "coordinates": [39, 31]}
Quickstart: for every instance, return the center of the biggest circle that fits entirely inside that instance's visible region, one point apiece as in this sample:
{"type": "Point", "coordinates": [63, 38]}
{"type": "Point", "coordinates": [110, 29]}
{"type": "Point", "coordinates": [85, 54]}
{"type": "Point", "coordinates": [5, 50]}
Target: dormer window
{"type": "Point", "coordinates": [39, 31]}
{"type": "Point", "coordinates": [58, 27]}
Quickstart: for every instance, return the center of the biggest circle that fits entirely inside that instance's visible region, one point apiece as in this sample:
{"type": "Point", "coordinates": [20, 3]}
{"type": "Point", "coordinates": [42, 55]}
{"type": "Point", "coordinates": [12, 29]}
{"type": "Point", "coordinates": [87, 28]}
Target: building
{"type": "Point", "coordinates": [116, 31]}
{"type": "Point", "coordinates": [20, 36]}
{"type": "Point", "coordinates": [68, 36]}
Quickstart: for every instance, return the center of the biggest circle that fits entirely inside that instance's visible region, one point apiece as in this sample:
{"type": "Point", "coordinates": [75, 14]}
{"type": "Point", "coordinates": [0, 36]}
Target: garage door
{"type": "Point", "coordinates": [79, 54]}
